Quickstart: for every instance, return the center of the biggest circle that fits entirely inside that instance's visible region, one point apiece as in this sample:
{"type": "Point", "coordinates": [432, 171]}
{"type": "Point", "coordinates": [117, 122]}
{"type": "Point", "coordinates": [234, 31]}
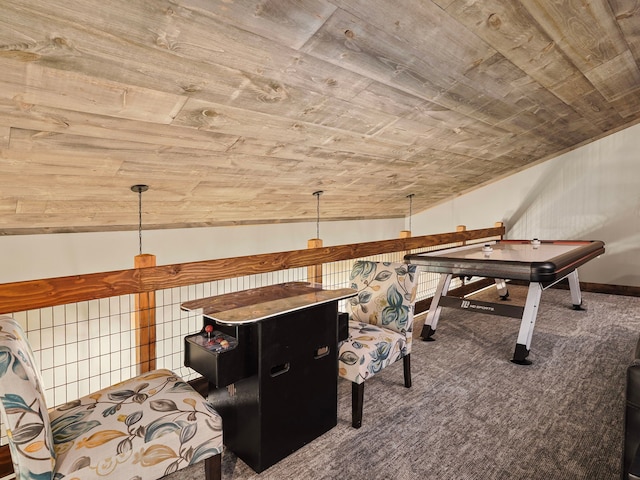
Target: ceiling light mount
{"type": "Point", "coordinates": [139, 188]}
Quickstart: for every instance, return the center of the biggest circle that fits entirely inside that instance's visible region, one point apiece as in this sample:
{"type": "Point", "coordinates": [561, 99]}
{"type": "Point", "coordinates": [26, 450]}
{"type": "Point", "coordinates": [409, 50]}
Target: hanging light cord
{"type": "Point", "coordinates": [139, 189]}
{"type": "Point", "coordinates": [410, 208]}
{"type": "Point", "coordinates": [140, 220]}
{"type": "Point", "coordinates": [317, 194]}
{"type": "Point", "coordinates": [318, 218]}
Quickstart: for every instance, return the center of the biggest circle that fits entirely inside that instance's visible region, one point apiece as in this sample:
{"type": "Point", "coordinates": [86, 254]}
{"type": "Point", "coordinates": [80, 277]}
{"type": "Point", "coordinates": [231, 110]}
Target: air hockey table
{"type": "Point", "coordinates": [540, 263]}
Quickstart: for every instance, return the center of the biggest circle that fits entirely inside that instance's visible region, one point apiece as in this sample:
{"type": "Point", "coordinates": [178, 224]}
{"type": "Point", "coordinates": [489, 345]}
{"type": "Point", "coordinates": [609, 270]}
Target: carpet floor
{"type": "Point", "coordinates": [472, 414]}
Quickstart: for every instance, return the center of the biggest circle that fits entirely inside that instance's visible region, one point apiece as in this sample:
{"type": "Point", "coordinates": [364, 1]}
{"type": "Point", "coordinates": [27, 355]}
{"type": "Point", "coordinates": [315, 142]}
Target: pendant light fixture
{"type": "Point", "coordinates": [139, 189]}
{"type": "Point", "coordinates": [410, 197]}
{"type": "Point", "coordinates": [317, 195]}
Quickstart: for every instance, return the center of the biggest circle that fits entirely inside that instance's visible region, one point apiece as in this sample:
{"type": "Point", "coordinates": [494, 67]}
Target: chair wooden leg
{"type": "Point", "coordinates": [357, 402]}
{"type": "Point", "coordinates": [213, 467]}
{"type": "Point", "coordinates": [406, 361]}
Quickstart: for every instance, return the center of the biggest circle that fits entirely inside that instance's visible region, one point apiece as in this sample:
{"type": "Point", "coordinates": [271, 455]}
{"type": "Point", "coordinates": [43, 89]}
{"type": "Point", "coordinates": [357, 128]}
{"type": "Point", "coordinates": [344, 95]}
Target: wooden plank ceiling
{"type": "Point", "coordinates": [236, 112]}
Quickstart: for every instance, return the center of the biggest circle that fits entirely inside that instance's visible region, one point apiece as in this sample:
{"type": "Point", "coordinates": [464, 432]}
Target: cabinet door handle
{"type": "Point", "coordinates": [279, 369]}
{"type": "Point", "coordinates": [321, 352]}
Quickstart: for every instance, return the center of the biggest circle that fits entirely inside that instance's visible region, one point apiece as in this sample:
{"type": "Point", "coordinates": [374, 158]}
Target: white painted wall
{"type": "Point", "coordinates": [591, 193]}
{"type": "Point", "coordinates": [29, 257]}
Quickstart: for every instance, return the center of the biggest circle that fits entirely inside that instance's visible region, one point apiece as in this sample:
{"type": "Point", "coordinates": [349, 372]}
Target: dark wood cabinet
{"type": "Point", "coordinates": [276, 385]}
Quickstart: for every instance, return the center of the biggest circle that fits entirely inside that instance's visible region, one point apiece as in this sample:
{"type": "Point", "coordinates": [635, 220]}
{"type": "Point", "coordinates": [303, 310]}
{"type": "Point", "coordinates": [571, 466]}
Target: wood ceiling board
{"type": "Point", "coordinates": [48, 163]}
{"type": "Point", "coordinates": [5, 136]}
{"type": "Point", "coordinates": [510, 28]}
{"type": "Point", "coordinates": [232, 121]}
{"type": "Point", "coordinates": [616, 77]}
{"type": "Point", "coordinates": [46, 119]}
{"type": "Point", "coordinates": [365, 100]}
{"type": "Point", "coordinates": [348, 41]}
{"type": "Point", "coordinates": [585, 32]}
{"type": "Point", "coordinates": [627, 13]}
{"type": "Point", "coordinates": [287, 22]}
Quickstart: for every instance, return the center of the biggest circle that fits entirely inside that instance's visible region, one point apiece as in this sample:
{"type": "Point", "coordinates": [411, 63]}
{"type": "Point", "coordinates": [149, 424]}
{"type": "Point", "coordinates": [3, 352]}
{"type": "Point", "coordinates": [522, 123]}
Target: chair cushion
{"type": "Point", "coordinates": [145, 427]}
{"type": "Point", "coordinates": [368, 350]}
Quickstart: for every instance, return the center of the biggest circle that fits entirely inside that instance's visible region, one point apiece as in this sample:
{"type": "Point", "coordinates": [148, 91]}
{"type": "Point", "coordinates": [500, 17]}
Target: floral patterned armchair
{"type": "Point", "coordinates": [380, 325]}
{"type": "Point", "coordinates": [143, 428]}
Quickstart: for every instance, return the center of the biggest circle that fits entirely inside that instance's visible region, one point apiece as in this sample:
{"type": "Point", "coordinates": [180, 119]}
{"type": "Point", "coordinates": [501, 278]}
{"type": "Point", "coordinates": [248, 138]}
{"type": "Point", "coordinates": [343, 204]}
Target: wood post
{"type": "Point", "coordinates": [145, 320]}
{"type": "Point", "coordinates": [314, 272]}
{"type": "Point", "coordinates": [405, 234]}
{"type": "Point", "coordinates": [462, 228]}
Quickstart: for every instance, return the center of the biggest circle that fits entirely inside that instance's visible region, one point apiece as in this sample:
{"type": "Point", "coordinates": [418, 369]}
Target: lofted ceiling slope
{"type": "Point", "coordinates": [235, 112]}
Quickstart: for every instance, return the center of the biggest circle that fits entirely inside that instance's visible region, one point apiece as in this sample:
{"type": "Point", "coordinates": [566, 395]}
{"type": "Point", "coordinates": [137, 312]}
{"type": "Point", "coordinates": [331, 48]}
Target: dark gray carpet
{"type": "Point", "coordinates": [472, 414]}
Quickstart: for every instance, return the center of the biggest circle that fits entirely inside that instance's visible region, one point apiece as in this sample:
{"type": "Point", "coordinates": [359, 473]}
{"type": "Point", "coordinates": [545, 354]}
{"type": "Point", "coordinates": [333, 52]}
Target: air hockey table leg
{"type": "Point", "coordinates": [431, 321]}
{"type": "Point", "coordinates": [574, 287]}
{"type": "Point", "coordinates": [523, 344]}
{"type": "Point", "coordinates": [501, 286]}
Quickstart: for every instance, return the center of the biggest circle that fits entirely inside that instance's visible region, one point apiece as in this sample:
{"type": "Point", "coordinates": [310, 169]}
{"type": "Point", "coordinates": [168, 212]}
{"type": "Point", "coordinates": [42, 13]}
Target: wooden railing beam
{"type": "Point", "coordinates": [28, 295]}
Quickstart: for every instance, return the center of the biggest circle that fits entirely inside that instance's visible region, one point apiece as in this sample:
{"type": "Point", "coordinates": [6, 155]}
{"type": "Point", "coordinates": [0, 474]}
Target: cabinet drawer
{"type": "Point", "coordinates": [220, 365]}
